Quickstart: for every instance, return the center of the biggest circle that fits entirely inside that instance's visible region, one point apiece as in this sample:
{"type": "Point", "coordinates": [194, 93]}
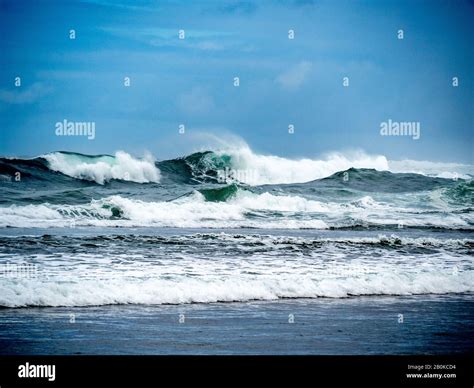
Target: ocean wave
{"type": "Point", "coordinates": [259, 169]}
{"type": "Point", "coordinates": [242, 164]}
{"type": "Point", "coordinates": [190, 211]}
{"type": "Point", "coordinates": [103, 168]}
{"type": "Point", "coordinates": [180, 290]}
{"type": "Point", "coordinates": [433, 169]}
{"type": "Point", "coordinates": [249, 242]}
{"type": "Point", "coordinates": [232, 165]}
{"type": "Point", "coordinates": [241, 209]}
{"type": "Point", "coordinates": [381, 240]}
{"type": "Point", "coordinates": [205, 267]}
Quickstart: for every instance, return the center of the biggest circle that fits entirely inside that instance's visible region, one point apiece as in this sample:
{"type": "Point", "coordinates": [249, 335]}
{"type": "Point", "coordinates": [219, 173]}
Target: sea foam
{"type": "Point", "coordinates": [270, 169]}
{"type": "Point", "coordinates": [122, 290]}
{"type": "Point", "coordinates": [101, 169]}
{"type": "Point", "coordinates": [243, 210]}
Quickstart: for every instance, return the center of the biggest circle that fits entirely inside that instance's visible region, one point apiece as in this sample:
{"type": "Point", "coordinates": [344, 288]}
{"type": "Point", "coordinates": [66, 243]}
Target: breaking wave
{"type": "Point", "coordinates": [232, 165]}
{"type": "Point", "coordinates": [103, 168]}
{"type": "Point", "coordinates": [238, 208]}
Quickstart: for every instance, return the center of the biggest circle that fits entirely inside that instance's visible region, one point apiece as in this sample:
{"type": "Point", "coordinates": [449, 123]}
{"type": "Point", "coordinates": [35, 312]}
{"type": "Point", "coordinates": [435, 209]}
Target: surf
{"type": "Point", "coordinates": [231, 165]}
{"type": "Point", "coordinates": [326, 282]}
{"type": "Point", "coordinates": [235, 207]}
{"type": "Point", "coordinates": [103, 168]}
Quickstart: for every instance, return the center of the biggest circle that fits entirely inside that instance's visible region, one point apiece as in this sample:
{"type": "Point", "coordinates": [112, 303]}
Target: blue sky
{"type": "Point", "coordinates": [282, 81]}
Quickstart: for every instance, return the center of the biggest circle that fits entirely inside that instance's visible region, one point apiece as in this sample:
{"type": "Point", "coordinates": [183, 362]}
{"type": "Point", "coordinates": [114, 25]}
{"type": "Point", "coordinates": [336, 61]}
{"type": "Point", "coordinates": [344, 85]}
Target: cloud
{"type": "Point", "coordinates": [294, 77]}
{"type": "Point", "coordinates": [20, 95]}
{"type": "Point", "coordinates": [196, 101]}
{"type": "Point", "coordinates": [168, 38]}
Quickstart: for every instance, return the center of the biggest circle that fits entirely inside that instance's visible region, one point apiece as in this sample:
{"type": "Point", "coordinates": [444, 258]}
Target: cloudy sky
{"type": "Point", "coordinates": [282, 81]}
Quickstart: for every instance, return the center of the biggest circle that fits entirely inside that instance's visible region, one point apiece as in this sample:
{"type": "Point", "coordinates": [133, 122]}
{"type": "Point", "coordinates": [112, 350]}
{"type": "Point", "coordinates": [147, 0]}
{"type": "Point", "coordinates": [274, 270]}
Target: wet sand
{"type": "Point", "coordinates": [369, 325]}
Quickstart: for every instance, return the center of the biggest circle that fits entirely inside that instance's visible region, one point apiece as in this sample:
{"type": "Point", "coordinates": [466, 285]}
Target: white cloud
{"type": "Point", "coordinates": [24, 95]}
{"type": "Point", "coordinates": [166, 37]}
{"type": "Point", "coordinates": [294, 77]}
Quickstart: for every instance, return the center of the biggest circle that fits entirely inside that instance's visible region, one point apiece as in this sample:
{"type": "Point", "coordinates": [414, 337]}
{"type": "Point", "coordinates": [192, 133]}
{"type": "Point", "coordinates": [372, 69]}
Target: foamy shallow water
{"type": "Point", "coordinates": [175, 266]}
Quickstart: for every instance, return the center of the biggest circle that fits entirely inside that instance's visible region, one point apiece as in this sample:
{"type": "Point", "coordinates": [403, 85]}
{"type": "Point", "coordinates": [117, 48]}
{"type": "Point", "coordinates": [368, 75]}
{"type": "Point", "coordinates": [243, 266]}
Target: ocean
{"type": "Point", "coordinates": [343, 255]}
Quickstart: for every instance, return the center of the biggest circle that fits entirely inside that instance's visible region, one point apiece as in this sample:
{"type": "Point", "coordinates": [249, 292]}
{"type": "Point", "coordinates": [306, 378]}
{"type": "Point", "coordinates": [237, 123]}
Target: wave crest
{"type": "Point", "coordinates": [38, 292]}
{"type": "Point", "coordinates": [262, 169]}
{"type": "Point", "coordinates": [234, 208]}
{"type": "Point", "coordinates": [103, 168]}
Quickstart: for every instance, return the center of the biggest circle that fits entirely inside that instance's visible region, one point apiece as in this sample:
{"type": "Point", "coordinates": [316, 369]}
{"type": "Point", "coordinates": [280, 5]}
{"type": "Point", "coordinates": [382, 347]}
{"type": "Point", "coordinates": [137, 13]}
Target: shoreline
{"type": "Point", "coordinates": [368, 325]}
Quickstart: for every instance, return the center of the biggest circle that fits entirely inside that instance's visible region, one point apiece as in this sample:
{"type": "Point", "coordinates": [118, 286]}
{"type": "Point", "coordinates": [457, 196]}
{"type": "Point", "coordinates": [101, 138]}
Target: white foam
{"type": "Point", "coordinates": [191, 211]}
{"type": "Point", "coordinates": [101, 169]}
{"type": "Point", "coordinates": [393, 239]}
{"type": "Point", "coordinates": [122, 290]}
{"type": "Point", "coordinates": [284, 203]}
{"type": "Point", "coordinates": [258, 169]}
{"type": "Point", "coordinates": [433, 169]}
{"type": "Point", "coordinates": [246, 209]}
{"type": "Point", "coordinates": [249, 267]}
{"type": "Point", "coordinates": [195, 211]}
